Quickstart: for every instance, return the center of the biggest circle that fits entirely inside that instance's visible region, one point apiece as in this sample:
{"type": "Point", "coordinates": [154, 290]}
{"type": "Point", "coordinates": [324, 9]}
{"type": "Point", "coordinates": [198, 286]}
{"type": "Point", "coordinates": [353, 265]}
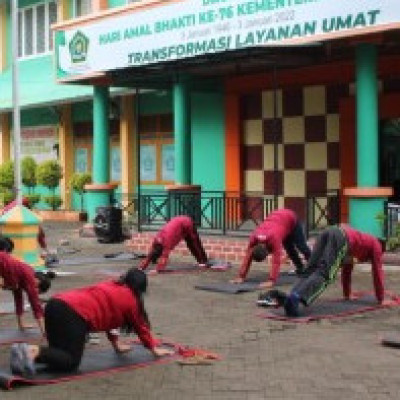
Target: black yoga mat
{"type": "Point", "coordinates": [94, 362]}
{"type": "Point", "coordinates": [391, 340]}
{"type": "Point", "coordinates": [333, 308]}
{"type": "Point", "coordinates": [107, 258]}
{"type": "Point", "coordinates": [9, 335]}
{"type": "Point", "coordinates": [177, 268]}
{"type": "Point", "coordinates": [250, 285]}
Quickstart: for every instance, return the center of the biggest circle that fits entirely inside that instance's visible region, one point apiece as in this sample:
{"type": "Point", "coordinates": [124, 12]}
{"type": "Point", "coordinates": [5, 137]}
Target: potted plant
{"type": "Point", "coordinates": [49, 174]}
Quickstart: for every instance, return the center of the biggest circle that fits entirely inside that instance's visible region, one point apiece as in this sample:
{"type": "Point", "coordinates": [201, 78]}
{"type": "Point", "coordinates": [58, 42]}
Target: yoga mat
{"type": "Point", "coordinates": [9, 335]}
{"type": "Point", "coordinates": [94, 260]}
{"type": "Point", "coordinates": [176, 269]}
{"type": "Point", "coordinates": [250, 285]}
{"type": "Point", "coordinates": [391, 340]}
{"type": "Point", "coordinates": [334, 308]}
{"type": "Point", "coordinates": [94, 363]}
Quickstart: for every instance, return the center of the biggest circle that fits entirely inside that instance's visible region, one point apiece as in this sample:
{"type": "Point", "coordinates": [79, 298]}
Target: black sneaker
{"type": "Point", "coordinates": [267, 302]}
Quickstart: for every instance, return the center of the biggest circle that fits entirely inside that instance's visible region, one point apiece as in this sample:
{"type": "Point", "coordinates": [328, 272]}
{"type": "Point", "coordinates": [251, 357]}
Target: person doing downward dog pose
{"type": "Point", "coordinates": [20, 277]}
{"type": "Point", "coordinates": [335, 248]}
{"type": "Point", "coordinates": [280, 228]}
{"type": "Point", "coordinates": [72, 314]}
{"type": "Point", "coordinates": [178, 228]}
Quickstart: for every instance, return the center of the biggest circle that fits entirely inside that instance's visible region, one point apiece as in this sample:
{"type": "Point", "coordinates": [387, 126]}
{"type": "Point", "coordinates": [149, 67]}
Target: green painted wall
{"type": "Point", "coordinates": [159, 102]}
{"type": "Point", "coordinates": [208, 141]}
{"type": "Point", "coordinates": [39, 116]}
{"type": "Point", "coordinates": [116, 3]}
{"type": "Point", "coordinates": [82, 112]}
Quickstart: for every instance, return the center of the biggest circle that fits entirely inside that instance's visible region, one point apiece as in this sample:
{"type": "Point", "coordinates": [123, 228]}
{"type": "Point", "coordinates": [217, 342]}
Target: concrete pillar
{"type": "Point", "coordinates": [128, 145]}
{"type": "Point", "coordinates": [66, 148]}
{"type": "Point", "coordinates": [99, 192]}
{"type": "Point", "coordinates": [366, 201]}
{"type": "Point", "coordinates": [181, 99]}
{"type": "Point", "coordinates": [5, 146]}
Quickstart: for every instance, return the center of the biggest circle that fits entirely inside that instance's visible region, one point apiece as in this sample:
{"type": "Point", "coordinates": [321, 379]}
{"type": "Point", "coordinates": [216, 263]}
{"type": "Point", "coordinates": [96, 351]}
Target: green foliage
{"type": "Point", "coordinates": [49, 174]}
{"type": "Point", "coordinates": [7, 175]}
{"type": "Point", "coordinates": [79, 180]}
{"type": "Point", "coordinates": [33, 198]}
{"type": "Point", "coordinates": [6, 196]}
{"type": "Point", "coordinates": [28, 172]}
{"type": "Point", "coordinates": [393, 243]}
{"type": "Point", "coordinates": [53, 201]}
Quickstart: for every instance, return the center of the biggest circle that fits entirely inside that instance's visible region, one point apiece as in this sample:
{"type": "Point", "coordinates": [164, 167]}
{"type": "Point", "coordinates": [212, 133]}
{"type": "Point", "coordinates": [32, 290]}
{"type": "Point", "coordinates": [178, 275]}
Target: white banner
{"type": "Point", "coordinates": [187, 28]}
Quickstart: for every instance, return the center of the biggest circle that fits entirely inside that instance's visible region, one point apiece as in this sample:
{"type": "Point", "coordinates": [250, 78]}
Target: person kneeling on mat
{"type": "Point", "coordinates": [335, 248]}
{"type": "Point", "coordinates": [178, 228]}
{"type": "Point", "coordinates": [20, 277]}
{"type": "Point", "coordinates": [71, 315]}
{"type": "Point", "coordinates": [280, 228]}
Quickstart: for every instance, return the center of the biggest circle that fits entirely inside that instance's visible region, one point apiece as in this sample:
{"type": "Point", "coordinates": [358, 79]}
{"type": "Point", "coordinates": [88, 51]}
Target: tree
{"type": "Point", "coordinates": [78, 182]}
{"type": "Point", "coordinates": [28, 172]}
{"type": "Point", "coordinates": [49, 174]}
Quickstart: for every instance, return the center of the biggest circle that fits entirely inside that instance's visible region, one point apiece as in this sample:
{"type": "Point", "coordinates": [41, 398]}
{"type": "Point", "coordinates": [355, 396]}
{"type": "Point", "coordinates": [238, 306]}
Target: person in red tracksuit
{"type": "Point", "coordinates": [41, 237]}
{"type": "Point", "coordinates": [336, 248]}
{"type": "Point", "coordinates": [280, 229]}
{"type": "Point", "coordinates": [19, 277]}
{"type": "Point", "coordinates": [178, 228]}
{"type": "Point", "coordinates": [71, 315]}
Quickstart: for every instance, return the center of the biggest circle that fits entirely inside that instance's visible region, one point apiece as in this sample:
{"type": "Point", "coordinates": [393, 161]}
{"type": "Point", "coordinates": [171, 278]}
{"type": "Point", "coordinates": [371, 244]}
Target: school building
{"type": "Point", "coordinates": [284, 100]}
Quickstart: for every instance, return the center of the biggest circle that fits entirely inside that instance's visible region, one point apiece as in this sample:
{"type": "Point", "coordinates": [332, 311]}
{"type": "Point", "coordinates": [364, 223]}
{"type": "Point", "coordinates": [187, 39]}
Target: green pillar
{"type": "Point", "coordinates": [367, 115]}
{"type": "Point", "coordinates": [98, 193]}
{"type": "Point", "coordinates": [367, 200]}
{"type": "Point", "coordinates": [181, 99]}
{"type": "Point", "coordinates": [101, 137]}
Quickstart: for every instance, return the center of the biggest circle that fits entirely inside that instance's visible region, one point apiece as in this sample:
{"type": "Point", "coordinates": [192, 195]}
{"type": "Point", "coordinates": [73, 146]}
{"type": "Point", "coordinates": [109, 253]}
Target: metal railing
{"type": "Point", "coordinates": [391, 219]}
{"type": "Point", "coordinates": [219, 212]}
{"type": "Point", "coordinates": [216, 212]}
{"type": "Point", "coordinates": [322, 209]}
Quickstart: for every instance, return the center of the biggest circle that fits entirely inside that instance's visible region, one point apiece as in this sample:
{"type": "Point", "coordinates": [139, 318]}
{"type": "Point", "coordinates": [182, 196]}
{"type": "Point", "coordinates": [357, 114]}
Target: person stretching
{"type": "Point", "coordinates": [336, 248]}
{"type": "Point", "coordinates": [280, 228]}
{"type": "Point", "coordinates": [71, 315]}
{"type": "Point", "coordinates": [178, 228]}
{"type": "Point", "coordinates": [20, 277]}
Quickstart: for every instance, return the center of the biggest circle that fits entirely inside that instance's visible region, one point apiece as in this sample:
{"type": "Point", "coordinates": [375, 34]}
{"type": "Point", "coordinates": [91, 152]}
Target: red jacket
{"type": "Point", "coordinates": [108, 305]}
{"type": "Point", "coordinates": [178, 228]}
{"type": "Point", "coordinates": [273, 231]}
{"type": "Point", "coordinates": [365, 248]}
{"type": "Point", "coordinates": [20, 277]}
{"type": "Point", "coordinates": [41, 236]}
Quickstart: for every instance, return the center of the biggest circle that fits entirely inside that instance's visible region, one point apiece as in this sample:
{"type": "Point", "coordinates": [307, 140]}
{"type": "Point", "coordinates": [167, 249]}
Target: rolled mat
{"type": "Point", "coordinates": [94, 363]}
{"type": "Point", "coordinates": [9, 335]}
{"type": "Point", "coordinates": [334, 308]}
{"type": "Point", "coordinates": [391, 340]}
{"type": "Point", "coordinates": [250, 285]}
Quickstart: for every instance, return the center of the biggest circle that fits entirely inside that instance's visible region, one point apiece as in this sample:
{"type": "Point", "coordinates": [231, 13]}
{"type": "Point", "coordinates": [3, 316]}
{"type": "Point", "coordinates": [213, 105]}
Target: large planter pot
{"type": "Point", "coordinates": [62, 215]}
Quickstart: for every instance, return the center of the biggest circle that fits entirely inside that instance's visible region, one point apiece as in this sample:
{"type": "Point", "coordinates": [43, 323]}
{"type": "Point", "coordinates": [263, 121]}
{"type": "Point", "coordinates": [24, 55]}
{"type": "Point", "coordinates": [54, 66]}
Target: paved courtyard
{"type": "Point", "coordinates": [261, 359]}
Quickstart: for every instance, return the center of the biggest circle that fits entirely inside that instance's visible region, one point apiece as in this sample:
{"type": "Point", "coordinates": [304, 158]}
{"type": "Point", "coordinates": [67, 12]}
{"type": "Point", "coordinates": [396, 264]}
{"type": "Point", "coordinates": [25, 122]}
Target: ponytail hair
{"type": "Point", "coordinates": [136, 280]}
{"type": "Point", "coordinates": [44, 279]}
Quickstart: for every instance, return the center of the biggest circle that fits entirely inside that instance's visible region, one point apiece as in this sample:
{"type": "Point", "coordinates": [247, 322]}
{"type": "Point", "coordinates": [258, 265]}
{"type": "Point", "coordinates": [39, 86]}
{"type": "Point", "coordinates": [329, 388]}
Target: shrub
{"type": "Point", "coordinates": [7, 175]}
{"type": "Point", "coordinates": [28, 173]}
{"type": "Point", "coordinates": [49, 174]}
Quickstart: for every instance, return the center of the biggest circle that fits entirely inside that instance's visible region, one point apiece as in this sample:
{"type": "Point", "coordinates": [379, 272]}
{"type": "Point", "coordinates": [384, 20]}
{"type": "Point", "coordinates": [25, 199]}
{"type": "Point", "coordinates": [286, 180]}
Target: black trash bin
{"type": "Point", "coordinates": [108, 224]}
